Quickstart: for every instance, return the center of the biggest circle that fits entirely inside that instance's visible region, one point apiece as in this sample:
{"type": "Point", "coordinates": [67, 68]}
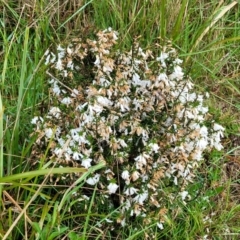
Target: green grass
{"type": "Point", "coordinates": [206, 34]}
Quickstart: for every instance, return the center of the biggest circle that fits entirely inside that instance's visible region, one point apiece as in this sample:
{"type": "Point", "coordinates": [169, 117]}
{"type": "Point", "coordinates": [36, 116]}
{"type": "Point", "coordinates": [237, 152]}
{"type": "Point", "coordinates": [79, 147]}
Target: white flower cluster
{"type": "Point", "coordinates": [135, 110]}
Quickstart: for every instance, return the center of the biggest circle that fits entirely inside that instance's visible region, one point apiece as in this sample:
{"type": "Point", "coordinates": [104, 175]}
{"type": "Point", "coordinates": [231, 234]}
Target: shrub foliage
{"type": "Point", "coordinates": [137, 111]}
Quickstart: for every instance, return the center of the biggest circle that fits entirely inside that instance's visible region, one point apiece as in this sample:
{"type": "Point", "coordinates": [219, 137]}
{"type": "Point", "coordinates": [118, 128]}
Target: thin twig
{"type": "Point", "coordinates": [16, 205]}
{"type": "Point", "coordinates": [48, 73]}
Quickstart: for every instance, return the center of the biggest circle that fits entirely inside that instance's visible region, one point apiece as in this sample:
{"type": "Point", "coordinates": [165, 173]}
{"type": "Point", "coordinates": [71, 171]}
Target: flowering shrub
{"type": "Point", "coordinates": [136, 111]}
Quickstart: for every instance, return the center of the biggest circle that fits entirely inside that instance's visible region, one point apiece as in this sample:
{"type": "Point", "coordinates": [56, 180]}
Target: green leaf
{"type": "Point", "coordinates": [32, 174]}
{"type": "Point", "coordinates": [58, 233]}
{"type": "Point", "coordinates": [73, 236]}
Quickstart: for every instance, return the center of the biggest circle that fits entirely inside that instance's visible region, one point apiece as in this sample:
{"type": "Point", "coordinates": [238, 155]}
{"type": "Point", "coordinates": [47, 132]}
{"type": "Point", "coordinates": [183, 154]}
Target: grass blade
{"type": "Point", "coordinates": [82, 178]}
{"type": "Point", "coordinates": [1, 145]}
{"type": "Point", "coordinates": [32, 174]}
{"type": "Point", "coordinates": [15, 134]}
{"type": "Point", "coordinates": [177, 27]}
{"type": "Point", "coordinates": [88, 215]}
{"type": "Point", "coordinates": [163, 19]}
{"type": "Point", "coordinates": [77, 12]}
{"type": "Point", "coordinates": [220, 14]}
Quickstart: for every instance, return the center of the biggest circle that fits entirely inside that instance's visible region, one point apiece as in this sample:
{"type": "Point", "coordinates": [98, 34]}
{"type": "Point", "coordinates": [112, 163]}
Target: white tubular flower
{"type": "Point", "coordinates": [108, 220]}
{"type": "Point", "coordinates": [145, 136]}
{"type": "Point", "coordinates": [162, 59]}
{"type": "Point", "coordinates": [140, 52]}
{"type": "Point", "coordinates": [61, 141]}
{"type": "Point", "coordinates": [177, 61]}
{"type": "Point", "coordinates": [136, 81]}
{"type": "Point", "coordinates": [81, 107]}
{"type": "Point", "coordinates": [53, 58]}
{"type": "Point", "coordinates": [215, 142]}
{"type": "Point", "coordinates": [93, 180]}
{"type": "Point", "coordinates": [175, 181]}
{"type": "Point", "coordinates": [112, 188]}
{"type": "Point", "coordinates": [125, 175]}
{"type": "Point", "coordinates": [192, 97]}
{"type": "Point", "coordinates": [55, 112]}
{"type": "Point", "coordinates": [115, 35]}
{"type": "Point", "coordinates": [183, 194]}
{"type": "Point", "coordinates": [64, 73]}
{"type": "Point", "coordinates": [88, 118]}
{"type": "Point", "coordinates": [75, 134]}
{"type": "Point", "coordinates": [217, 127]}
{"type": "Point", "coordinates": [74, 93]}
{"type": "Point", "coordinates": [95, 109]}
{"type": "Point", "coordinates": [52, 81]}
{"type": "Point", "coordinates": [130, 191]}
{"type": "Point", "coordinates": [141, 197]}
{"type": "Point", "coordinates": [142, 158]}
{"type": "Point", "coordinates": [160, 225]}
{"type": "Point", "coordinates": [154, 147]}
{"type": "Point", "coordinates": [107, 68]}
{"type": "Point", "coordinates": [97, 61]}
{"type": "Point", "coordinates": [58, 132]}
{"type": "Point", "coordinates": [56, 90]}
{"type": "Point", "coordinates": [162, 78]}
{"type": "Point", "coordinates": [61, 52]}
{"type": "Point", "coordinates": [47, 59]}
{"type": "Point", "coordinates": [123, 222]}
{"type": "Point", "coordinates": [188, 146]}
{"type": "Point", "coordinates": [58, 152]}
{"type": "Point", "coordinates": [122, 143]}
{"type": "Point", "coordinates": [202, 143]}
{"type": "Point", "coordinates": [177, 74]}
{"type": "Point", "coordinates": [66, 100]}
{"type": "Point", "coordinates": [202, 109]}
{"type": "Point", "coordinates": [77, 156]}
{"type": "Point", "coordinates": [86, 163]}
{"type": "Point", "coordinates": [59, 65]}
{"type": "Point", "coordinates": [48, 133]}
{"type": "Point", "coordinates": [204, 131]}
{"type": "Point", "coordinates": [69, 50]}
{"type": "Point", "coordinates": [138, 104]}
{"type": "Point", "coordinates": [197, 155]}
{"type": "Point", "coordinates": [82, 140]}
{"type": "Point", "coordinates": [123, 104]}
{"type": "Point", "coordinates": [36, 120]}
{"type": "Point", "coordinates": [46, 52]}
{"type": "Point", "coordinates": [200, 98]}
{"type": "Point", "coordinates": [104, 82]}
{"type": "Point", "coordinates": [104, 101]}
